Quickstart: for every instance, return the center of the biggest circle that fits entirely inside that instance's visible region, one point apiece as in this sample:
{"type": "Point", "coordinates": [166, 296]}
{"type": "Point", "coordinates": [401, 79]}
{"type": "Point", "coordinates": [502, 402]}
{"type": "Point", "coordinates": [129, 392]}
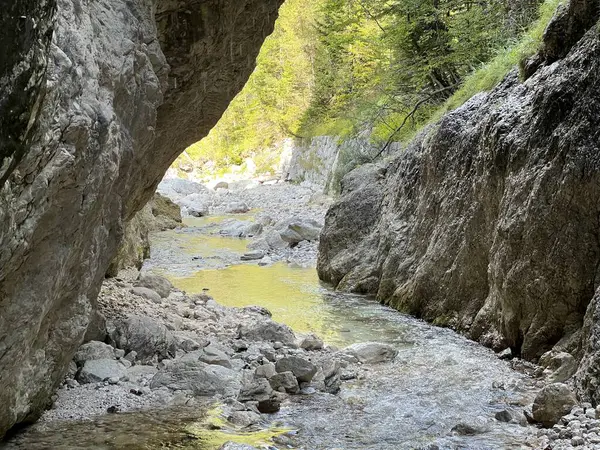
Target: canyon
{"type": "Point", "coordinates": [98, 99]}
{"type": "Point", "coordinates": [487, 222]}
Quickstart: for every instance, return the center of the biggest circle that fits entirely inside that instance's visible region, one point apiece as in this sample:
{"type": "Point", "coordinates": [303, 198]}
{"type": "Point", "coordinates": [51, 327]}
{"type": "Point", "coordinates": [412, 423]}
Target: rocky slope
{"type": "Point", "coordinates": [488, 222]}
{"type": "Point", "coordinates": [98, 99]}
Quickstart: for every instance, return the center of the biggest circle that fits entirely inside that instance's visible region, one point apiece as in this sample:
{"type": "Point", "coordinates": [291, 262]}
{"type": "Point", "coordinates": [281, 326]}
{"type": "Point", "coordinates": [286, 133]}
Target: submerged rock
{"type": "Point", "coordinates": [371, 352]}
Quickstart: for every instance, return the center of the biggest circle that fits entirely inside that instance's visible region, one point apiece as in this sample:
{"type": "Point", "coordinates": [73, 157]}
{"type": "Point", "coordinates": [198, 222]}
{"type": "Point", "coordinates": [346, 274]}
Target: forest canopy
{"type": "Point", "coordinates": [381, 67]}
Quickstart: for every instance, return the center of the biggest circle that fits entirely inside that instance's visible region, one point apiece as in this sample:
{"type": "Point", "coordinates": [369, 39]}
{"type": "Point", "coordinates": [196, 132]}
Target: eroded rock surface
{"type": "Point", "coordinates": [488, 221]}
{"type": "Point", "coordinates": [100, 99]}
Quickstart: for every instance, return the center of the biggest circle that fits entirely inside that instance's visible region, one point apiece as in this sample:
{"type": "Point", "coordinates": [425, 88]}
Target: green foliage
{"type": "Point", "coordinates": [488, 76]}
{"type": "Point", "coordinates": [272, 104]}
{"type": "Point", "coordinates": [386, 67]}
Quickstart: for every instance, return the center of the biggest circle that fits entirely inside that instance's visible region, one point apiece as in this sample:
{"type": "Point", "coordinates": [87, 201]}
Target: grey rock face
{"type": "Point", "coordinates": [487, 222]}
{"type": "Point", "coordinates": [371, 352]}
{"type": "Point", "coordinates": [157, 283]}
{"type": "Point", "coordinates": [587, 378]}
{"type": "Point", "coordinates": [553, 402]}
{"type": "Point", "coordinates": [98, 99]}
{"type": "Point", "coordinates": [237, 208]}
{"type": "Point", "coordinates": [302, 369]}
{"type": "Point", "coordinates": [199, 378]}
{"type": "Point", "coordinates": [147, 337]}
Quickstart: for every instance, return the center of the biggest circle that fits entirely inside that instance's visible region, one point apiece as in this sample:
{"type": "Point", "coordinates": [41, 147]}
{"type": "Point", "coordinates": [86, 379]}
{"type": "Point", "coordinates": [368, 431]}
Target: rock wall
{"type": "Point", "coordinates": [158, 215]}
{"type": "Point", "coordinates": [322, 161]}
{"type": "Point", "coordinates": [98, 99]}
{"type": "Point", "coordinates": [489, 221]}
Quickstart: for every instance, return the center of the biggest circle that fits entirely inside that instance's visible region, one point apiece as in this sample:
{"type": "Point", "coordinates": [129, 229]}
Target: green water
{"type": "Point", "coordinates": [292, 294]}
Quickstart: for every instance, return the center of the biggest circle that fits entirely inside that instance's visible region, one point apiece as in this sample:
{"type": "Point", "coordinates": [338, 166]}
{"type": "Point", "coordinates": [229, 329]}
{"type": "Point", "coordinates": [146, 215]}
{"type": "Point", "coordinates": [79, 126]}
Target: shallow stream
{"type": "Point", "coordinates": [439, 379]}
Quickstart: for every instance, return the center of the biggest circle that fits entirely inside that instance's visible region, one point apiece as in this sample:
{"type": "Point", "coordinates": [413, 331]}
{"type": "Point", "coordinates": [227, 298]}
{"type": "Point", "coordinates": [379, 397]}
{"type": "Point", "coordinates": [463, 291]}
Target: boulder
{"type": "Point", "coordinates": [147, 337]}
{"type": "Point", "coordinates": [311, 342]}
{"type": "Point", "coordinates": [253, 255]}
{"type": "Point", "coordinates": [237, 208]}
{"type": "Point", "coordinates": [212, 355]}
{"type": "Point", "coordinates": [195, 205]}
{"type": "Point", "coordinates": [199, 378]}
{"type": "Point", "coordinates": [267, 331]}
{"type": "Point", "coordinates": [157, 283]}
{"type": "Point", "coordinates": [298, 230]}
{"type": "Point", "coordinates": [146, 293]}
{"type": "Point", "coordinates": [265, 371]}
{"type": "Point", "coordinates": [140, 372]}
{"type": "Point", "coordinates": [241, 229]}
{"type": "Point", "coordinates": [255, 389]}
{"type": "Point", "coordinates": [285, 382]}
{"type": "Point", "coordinates": [560, 366]}
{"type": "Point", "coordinates": [93, 350]}
{"type": "Point", "coordinates": [176, 188]}
{"type": "Point", "coordinates": [243, 418]}
{"type": "Point", "coordinates": [167, 214]}
{"type": "Point", "coordinates": [302, 369]}
{"type": "Point", "coordinates": [221, 185]}
{"type": "Point", "coordinates": [235, 446]}
{"type": "Point", "coordinates": [551, 403]}
{"type": "Point", "coordinates": [97, 370]}
{"type": "Point", "coordinates": [371, 352]}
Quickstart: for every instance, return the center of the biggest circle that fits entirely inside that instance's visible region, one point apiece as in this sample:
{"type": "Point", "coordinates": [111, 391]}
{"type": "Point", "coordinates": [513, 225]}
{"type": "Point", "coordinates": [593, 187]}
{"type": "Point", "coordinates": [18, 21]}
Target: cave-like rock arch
{"type": "Point", "coordinates": [98, 98]}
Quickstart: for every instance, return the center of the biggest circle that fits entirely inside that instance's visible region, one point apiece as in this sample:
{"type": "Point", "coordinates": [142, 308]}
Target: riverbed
{"type": "Point", "coordinates": [440, 381]}
{"type": "Point", "coordinates": [441, 391]}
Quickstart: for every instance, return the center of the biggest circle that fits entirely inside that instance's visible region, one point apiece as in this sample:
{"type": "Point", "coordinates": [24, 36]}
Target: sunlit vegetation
{"type": "Point", "coordinates": [384, 68]}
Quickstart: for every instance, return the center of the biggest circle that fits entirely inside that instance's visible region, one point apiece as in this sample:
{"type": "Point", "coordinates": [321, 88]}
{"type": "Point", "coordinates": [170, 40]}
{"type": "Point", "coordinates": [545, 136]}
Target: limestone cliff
{"type": "Point", "coordinates": [490, 220]}
{"type": "Point", "coordinates": [98, 98]}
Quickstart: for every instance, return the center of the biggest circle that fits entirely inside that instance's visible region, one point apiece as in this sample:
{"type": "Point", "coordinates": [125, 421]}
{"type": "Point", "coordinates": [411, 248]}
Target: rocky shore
{"type": "Point", "coordinates": [153, 347]}
{"type": "Point", "coordinates": [157, 347]}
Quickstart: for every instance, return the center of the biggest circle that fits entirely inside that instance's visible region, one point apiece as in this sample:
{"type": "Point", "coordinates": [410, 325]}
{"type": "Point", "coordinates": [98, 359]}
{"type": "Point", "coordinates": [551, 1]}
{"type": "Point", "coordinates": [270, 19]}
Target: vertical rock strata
{"type": "Point", "coordinates": [490, 220]}
{"type": "Point", "coordinates": [98, 97]}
